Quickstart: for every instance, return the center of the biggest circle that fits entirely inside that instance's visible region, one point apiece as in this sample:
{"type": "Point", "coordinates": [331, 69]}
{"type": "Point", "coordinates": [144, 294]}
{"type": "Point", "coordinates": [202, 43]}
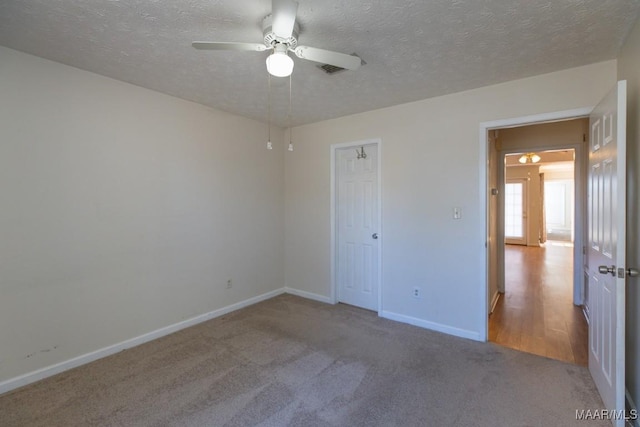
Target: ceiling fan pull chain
{"type": "Point", "coordinates": [269, 145]}
{"type": "Point", "coordinates": [290, 129]}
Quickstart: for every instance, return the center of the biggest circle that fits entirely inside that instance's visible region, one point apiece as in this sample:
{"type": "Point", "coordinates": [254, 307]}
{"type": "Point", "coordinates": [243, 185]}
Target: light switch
{"type": "Point", "coordinates": [457, 213]}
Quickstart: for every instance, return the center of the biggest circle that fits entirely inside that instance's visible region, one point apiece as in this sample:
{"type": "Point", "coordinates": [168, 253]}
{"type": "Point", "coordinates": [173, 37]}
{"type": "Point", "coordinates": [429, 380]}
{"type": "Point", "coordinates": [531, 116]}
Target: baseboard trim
{"type": "Point", "coordinates": [31, 377]}
{"type": "Point", "coordinates": [308, 295]}
{"type": "Point", "coordinates": [438, 327]}
{"type": "Point", "coordinates": [463, 333]}
{"type": "Point", "coordinates": [494, 301]}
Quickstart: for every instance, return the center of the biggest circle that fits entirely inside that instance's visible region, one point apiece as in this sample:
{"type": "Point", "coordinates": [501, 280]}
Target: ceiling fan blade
{"type": "Point", "coordinates": [258, 47]}
{"type": "Point", "coordinates": [284, 17]}
{"type": "Point", "coordinates": [350, 62]}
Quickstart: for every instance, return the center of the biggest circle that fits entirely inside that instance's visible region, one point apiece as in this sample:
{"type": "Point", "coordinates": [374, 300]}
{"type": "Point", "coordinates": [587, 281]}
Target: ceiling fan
{"type": "Point", "coordinates": [280, 31]}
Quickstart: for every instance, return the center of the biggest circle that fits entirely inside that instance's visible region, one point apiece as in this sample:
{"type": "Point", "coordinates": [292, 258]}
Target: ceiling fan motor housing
{"type": "Point", "coordinates": [271, 39]}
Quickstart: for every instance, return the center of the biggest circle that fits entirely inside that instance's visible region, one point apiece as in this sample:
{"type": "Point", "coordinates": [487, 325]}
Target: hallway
{"type": "Point", "coordinates": [536, 314]}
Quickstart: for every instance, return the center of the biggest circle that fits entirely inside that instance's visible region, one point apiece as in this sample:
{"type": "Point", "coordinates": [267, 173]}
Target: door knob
{"type": "Point", "coordinates": [603, 269]}
{"type": "Point", "coordinates": [631, 272]}
{"type": "Point", "coordinates": [374, 236]}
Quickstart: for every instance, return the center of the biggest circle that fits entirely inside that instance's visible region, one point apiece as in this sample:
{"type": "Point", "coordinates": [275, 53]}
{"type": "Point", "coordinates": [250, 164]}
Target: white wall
{"type": "Point", "coordinates": [123, 211]}
{"type": "Point", "coordinates": [430, 164]}
{"type": "Point", "coordinates": [629, 69]}
{"type": "Point", "coordinates": [553, 175]}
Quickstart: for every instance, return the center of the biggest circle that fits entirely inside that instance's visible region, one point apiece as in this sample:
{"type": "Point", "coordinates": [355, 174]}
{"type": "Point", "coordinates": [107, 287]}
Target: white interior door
{"type": "Point", "coordinates": [515, 211]}
{"type": "Point", "coordinates": [606, 251]}
{"type": "Point", "coordinates": [357, 226]}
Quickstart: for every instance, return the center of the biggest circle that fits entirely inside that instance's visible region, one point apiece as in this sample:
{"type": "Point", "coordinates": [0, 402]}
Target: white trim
{"type": "Point", "coordinates": [484, 128]}
{"type": "Point", "coordinates": [332, 152]}
{"type": "Point", "coordinates": [332, 216]}
{"type": "Point", "coordinates": [483, 182]}
{"type": "Point", "coordinates": [537, 118]}
{"type": "Point", "coordinates": [438, 327]}
{"type": "Point", "coordinates": [57, 368]}
{"type": "Point", "coordinates": [621, 249]}
{"type": "Point", "coordinates": [309, 295]}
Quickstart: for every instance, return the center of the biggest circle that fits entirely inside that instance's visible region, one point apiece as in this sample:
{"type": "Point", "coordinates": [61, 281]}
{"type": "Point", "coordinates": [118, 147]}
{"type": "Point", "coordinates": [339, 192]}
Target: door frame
{"type": "Point", "coordinates": [580, 190]}
{"type": "Point", "coordinates": [333, 214]}
{"type": "Point", "coordinates": [579, 214]}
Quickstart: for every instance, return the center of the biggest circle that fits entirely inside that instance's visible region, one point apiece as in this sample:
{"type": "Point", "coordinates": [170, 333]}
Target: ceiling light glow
{"type": "Point", "coordinates": [278, 63]}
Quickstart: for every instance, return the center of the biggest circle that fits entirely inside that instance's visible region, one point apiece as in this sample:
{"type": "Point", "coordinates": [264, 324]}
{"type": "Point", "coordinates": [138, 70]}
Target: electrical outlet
{"type": "Point", "coordinates": [229, 284]}
{"type": "Point", "coordinates": [416, 292]}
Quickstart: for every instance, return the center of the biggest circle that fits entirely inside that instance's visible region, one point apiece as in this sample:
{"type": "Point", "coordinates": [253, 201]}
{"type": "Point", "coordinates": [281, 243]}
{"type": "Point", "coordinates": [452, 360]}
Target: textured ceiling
{"type": "Point", "coordinates": [413, 49]}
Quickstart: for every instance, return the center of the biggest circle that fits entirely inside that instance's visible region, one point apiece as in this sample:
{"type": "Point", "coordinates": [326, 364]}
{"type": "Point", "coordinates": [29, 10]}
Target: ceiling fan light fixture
{"type": "Point", "coordinates": [279, 64]}
{"type": "Point", "coordinates": [529, 158]}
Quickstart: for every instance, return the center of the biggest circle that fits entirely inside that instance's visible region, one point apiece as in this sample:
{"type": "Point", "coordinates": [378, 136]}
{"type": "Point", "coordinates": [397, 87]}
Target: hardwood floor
{"type": "Point", "coordinates": [536, 314]}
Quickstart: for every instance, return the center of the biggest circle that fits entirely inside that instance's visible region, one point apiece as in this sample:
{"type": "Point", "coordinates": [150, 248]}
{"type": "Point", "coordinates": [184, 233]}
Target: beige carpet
{"type": "Point", "coordinates": [294, 362]}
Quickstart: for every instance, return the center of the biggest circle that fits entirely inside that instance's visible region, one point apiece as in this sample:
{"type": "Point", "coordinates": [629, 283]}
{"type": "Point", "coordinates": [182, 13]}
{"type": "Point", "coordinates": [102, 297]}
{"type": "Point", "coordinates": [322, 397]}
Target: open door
{"type": "Point", "coordinates": [515, 211]}
{"type": "Point", "coordinates": [606, 248]}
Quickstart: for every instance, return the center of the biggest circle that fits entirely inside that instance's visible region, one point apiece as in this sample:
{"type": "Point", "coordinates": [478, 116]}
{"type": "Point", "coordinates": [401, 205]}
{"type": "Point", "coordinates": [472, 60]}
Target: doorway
{"type": "Point", "coordinates": [535, 312]}
{"type": "Point", "coordinates": [356, 224]}
{"type": "Point", "coordinates": [520, 147]}
{"type": "Point", "coordinates": [606, 127]}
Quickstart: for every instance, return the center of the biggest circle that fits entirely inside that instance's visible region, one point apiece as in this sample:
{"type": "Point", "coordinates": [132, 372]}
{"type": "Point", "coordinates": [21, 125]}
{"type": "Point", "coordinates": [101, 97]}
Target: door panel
{"type": "Point", "coordinates": [356, 224]}
{"type": "Point", "coordinates": [606, 207]}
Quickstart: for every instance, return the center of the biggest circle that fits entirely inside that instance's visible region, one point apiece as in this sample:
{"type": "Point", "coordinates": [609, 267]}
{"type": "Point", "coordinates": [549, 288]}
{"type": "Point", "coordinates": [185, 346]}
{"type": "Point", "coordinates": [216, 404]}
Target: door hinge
{"type": "Point", "coordinates": [584, 137]}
